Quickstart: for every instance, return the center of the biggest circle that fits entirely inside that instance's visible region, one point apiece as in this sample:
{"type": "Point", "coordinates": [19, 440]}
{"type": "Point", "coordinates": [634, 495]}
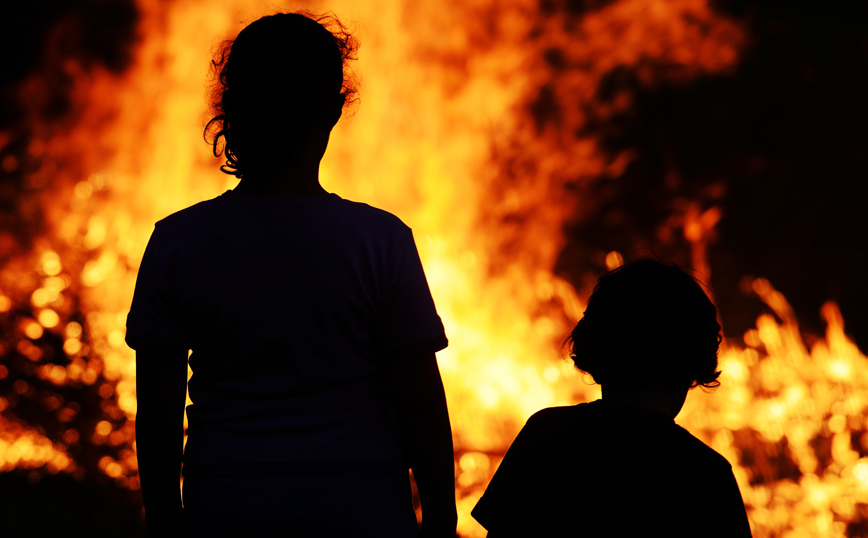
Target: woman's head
{"type": "Point", "coordinates": [648, 323]}
{"type": "Point", "coordinates": [281, 82]}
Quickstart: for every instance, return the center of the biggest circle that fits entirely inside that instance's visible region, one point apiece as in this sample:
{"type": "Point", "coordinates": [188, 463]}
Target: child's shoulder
{"type": "Point", "coordinates": [569, 410]}
{"type": "Point", "coordinates": [549, 414]}
{"type": "Point", "coordinates": [558, 416]}
{"type": "Point", "coordinates": [697, 450]}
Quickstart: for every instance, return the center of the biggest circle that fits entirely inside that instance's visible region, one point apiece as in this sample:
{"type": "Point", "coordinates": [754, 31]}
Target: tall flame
{"type": "Point", "coordinates": [441, 141]}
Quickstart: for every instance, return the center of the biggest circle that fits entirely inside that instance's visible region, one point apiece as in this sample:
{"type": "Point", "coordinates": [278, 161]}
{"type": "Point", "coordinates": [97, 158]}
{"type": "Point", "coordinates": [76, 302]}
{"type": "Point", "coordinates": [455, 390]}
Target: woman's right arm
{"type": "Point", "coordinates": [419, 403]}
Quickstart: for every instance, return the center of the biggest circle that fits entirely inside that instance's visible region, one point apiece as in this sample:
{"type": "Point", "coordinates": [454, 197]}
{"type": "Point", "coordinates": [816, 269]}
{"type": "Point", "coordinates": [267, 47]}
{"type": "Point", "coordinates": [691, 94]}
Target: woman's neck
{"type": "Point", "coordinates": [296, 181]}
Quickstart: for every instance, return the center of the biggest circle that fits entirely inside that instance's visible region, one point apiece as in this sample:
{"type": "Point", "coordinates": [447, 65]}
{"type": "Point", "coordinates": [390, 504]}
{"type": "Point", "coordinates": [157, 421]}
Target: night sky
{"type": "Point", "coordinates": [785, 136]}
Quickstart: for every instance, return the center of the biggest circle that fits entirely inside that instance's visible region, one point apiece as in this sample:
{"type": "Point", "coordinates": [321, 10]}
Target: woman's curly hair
{"type": "Point", "coordinates": [648, 323]}
{"type": "Point", "coordinates": [276, 83]}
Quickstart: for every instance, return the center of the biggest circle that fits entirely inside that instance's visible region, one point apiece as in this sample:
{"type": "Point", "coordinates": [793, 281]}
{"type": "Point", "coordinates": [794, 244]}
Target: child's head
{"type": "Point", "coordinates": [648, 324]}
{"type": "Point", "coordinates": [281, 81]}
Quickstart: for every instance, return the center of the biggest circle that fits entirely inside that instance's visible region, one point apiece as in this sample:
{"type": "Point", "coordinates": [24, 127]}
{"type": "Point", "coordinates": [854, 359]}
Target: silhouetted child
{"type": "Point", "coordinates": [313, 332]}
{"type": "Point", "coordinates": [620, 466]}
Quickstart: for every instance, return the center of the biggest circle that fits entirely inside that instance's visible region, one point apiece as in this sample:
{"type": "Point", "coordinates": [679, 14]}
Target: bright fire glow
{"type": "Point", "coordinates": [438, 104]}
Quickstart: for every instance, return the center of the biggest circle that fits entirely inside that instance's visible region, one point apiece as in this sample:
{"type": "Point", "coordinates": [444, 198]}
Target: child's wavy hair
{"type": "Point", "coordinates": [648, 323]}
{"type": "Point", "coordinates": [274, 85]}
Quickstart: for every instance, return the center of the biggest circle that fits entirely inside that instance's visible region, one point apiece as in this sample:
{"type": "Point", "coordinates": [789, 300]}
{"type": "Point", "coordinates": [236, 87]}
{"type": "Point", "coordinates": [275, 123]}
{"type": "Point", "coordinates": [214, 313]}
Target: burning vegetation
{"type": "Point", "coordinates": [496, 130]}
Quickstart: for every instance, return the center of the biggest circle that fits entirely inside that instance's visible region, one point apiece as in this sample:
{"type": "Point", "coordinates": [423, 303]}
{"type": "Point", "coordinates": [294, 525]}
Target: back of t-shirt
{"type": "Point", "coordinates": [292, 308]}
{"type": "Point", "coordinates": [600, 469]}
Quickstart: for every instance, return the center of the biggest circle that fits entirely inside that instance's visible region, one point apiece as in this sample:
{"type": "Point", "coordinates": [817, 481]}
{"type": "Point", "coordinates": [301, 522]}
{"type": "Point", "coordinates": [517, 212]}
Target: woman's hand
{"type": "Point", "coordinates": [161, 390]}
{"type": "Point", "coordinates": [419, 403]}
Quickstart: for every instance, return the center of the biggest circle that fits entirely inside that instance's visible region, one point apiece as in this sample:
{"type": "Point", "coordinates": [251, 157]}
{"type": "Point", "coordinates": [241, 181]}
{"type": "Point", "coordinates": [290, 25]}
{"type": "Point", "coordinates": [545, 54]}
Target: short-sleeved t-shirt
{"type": "Point", "coordinates": [605, 470]}
{"type": "Point", "coordinates": [293, 308]}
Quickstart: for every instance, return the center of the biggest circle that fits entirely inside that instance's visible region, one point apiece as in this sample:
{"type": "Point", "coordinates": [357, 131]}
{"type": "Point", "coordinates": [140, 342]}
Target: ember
{"type": "Point", "coordinates": [436, 141]}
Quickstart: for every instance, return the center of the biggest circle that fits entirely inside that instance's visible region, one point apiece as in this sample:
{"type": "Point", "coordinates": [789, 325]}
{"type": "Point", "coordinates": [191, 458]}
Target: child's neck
{"type": "Point", "coordinates": [662, 400]}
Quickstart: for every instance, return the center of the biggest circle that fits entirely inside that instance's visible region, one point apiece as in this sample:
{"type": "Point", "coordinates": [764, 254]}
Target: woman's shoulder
{"type": "Point", "coordinates": [183, 218]}
{"type": "Point", "coordinates": [374, 216]}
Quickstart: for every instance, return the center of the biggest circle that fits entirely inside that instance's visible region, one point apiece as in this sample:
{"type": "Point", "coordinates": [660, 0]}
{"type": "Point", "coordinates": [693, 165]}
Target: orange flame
{"type": "Point", "coordinates": [439, 111]}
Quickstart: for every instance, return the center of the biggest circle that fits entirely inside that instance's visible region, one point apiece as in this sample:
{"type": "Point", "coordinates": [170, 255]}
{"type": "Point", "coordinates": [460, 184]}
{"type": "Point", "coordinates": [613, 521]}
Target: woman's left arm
{"type": "Point", "coordinates": [161, 390]}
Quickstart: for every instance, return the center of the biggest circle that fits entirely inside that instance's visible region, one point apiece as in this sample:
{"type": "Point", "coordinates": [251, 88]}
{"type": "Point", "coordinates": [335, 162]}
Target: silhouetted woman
{"type": "Point", "coordinates": [312, 329]}
{"type": "Point", "coordinates": [620, 466]}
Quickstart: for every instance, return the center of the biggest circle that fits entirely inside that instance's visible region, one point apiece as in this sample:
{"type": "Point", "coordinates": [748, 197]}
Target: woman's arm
{"type": "Point", "coordinates": [161, 390]}
{"type": "Point", "coordinates": [420, 409]}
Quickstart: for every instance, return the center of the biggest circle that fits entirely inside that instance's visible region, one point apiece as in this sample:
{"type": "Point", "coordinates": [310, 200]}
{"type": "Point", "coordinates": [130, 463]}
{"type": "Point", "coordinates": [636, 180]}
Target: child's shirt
{"type": "Point", "coordinates": [603, 469]}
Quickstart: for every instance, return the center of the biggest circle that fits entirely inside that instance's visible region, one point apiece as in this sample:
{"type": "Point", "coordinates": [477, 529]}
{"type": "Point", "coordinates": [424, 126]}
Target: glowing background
{"type": "Point", "coordinates": [443, 139]}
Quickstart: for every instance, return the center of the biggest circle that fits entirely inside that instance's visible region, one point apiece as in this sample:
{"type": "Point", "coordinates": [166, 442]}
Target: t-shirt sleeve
{"type": "Point", "coordinates": [152, 318]}
{"type": "Point", "coordinates": [408, 323]}
{"type": "Point", "coordinates": [508, 503]}
{"type": "Point", "coordinates": [727, 503]}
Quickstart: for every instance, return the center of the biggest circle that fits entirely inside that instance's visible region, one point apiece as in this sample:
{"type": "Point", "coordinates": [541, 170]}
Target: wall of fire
{"type": "Point", "coordinates": [531, 145]}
